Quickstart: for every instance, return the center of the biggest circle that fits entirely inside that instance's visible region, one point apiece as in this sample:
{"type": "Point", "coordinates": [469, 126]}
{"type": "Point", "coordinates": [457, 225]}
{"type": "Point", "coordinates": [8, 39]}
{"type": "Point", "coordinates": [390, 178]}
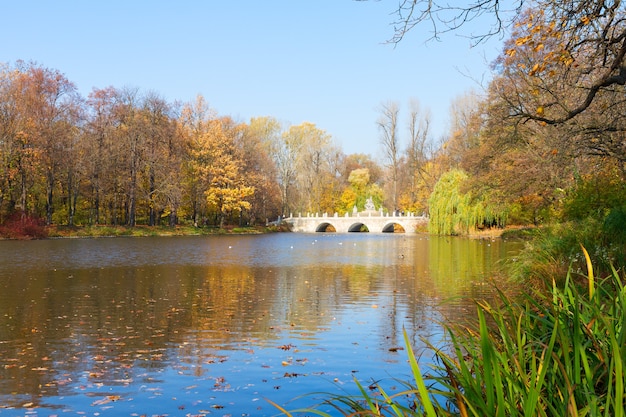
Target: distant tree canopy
{"type": "Point", "coordinates": [544, 141]}
{"type": "Point", "coordinates": [125, 157]}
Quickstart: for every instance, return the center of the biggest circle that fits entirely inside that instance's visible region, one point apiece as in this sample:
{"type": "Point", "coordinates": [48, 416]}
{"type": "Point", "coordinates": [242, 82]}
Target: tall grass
{"type": "Point", "coordinates": [556, 353]}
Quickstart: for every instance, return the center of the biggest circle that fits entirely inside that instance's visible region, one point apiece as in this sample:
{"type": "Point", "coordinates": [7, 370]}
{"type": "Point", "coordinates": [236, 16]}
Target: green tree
{"type": "Point", "coordinates": [448, 204]}
{"type": "Point", "coordinates": [455, 211]}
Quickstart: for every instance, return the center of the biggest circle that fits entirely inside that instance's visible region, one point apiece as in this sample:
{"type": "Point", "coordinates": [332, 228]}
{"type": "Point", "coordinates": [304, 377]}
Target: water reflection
{"type": "Point", "coordinates": [123, 324]}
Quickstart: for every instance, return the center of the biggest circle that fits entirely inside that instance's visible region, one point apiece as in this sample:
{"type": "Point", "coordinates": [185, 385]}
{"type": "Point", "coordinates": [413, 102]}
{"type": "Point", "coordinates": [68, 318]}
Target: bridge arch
{"type": "Point", "coordinates": [394, 227]}
{"type": "Point", "coordinates": [325, 227]}
{"type": "Point", "coordinates": [358, 227]}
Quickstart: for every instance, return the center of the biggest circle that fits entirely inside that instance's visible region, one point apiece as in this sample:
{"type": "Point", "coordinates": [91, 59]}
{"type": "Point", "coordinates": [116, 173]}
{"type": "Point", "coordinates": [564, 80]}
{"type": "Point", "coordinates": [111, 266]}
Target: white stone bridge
{"type": "Point", "coordinates": [371, 221]}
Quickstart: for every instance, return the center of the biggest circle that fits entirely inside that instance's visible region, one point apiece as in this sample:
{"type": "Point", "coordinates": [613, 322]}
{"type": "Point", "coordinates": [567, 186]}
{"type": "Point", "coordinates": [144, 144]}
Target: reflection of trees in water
{"type": "Point", "coordinates": [117, 325]}
{"type": "Point", "coordinates": [465, 270]}
{"type": "Point", "coordinates": [97, 326]}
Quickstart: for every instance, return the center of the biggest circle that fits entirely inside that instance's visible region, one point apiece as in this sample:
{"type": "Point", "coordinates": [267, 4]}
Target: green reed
{"type": "Point", "coordinates": [555, 353]}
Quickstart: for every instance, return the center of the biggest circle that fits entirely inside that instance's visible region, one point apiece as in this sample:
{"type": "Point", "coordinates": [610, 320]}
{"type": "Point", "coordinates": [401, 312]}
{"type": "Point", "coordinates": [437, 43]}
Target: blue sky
{"type": "Point", "coordinates": [321, 61]}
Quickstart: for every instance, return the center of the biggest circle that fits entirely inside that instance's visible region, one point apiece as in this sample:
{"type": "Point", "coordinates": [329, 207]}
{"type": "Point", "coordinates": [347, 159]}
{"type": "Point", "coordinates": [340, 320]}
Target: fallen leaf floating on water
{"type": "Point", "coordinates": [395, 349]}
{"type": "Point", "coordinates": [292, 375]}
{"type": "Point", "coordinates": [107, 399]}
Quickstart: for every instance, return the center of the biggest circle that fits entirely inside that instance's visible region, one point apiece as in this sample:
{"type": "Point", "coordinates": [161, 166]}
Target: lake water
{"type": "Point", "coordinates": [189, 326]}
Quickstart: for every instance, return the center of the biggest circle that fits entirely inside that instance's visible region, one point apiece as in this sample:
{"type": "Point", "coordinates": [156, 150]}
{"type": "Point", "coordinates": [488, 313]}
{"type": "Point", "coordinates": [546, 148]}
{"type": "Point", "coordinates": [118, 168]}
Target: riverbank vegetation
{"type": "Point", "coordinates": [559, 352]}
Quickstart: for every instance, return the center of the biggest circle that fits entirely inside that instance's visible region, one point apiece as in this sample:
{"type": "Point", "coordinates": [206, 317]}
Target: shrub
{"type": "Point", "coordinates": [595, 195]}
{"type": "Point", "coordinates": [21, 226]}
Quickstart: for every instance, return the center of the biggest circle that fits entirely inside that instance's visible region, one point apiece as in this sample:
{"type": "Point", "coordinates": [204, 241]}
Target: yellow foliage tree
{"type": "Point", "coordinates": [219, 164]}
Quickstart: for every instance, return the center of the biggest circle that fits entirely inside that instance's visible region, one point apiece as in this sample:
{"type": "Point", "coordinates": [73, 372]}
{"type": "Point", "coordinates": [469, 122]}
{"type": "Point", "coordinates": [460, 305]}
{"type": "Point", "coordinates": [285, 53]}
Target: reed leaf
{"type": "Point", "coordinates": [589, 272]}
{"type": "Point", "coordinates": [424, 394]}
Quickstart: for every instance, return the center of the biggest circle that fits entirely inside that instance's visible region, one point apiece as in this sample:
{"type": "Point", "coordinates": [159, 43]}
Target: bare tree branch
{"type": "Point", "coordinates": [443, 17]}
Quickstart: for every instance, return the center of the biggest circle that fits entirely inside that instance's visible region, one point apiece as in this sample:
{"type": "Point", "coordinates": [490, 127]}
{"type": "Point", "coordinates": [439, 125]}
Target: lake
{"type": "Point", "coordinates": [217, 325]}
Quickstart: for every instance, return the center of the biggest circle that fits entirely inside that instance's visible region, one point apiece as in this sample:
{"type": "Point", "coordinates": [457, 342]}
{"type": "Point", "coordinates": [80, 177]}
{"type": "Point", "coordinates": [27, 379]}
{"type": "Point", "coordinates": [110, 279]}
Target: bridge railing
{"type": "Point", "coordinates": [361, 214]}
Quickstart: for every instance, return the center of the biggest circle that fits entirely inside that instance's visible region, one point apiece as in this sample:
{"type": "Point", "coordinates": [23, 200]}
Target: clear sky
{"type": "Point", "coordinates": [321, 61]}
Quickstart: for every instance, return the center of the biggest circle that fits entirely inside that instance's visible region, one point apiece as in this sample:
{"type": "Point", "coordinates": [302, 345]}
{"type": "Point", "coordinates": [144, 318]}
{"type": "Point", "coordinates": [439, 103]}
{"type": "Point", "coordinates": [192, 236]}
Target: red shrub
{"type": "Point", "coordinates": [21, 226]}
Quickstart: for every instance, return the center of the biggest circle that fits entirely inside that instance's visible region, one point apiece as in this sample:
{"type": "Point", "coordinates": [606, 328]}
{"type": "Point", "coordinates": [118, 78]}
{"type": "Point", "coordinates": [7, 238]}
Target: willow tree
{"type": "Point", "coordinates": [454, 211]}
{"type": "Point", "coordinates": [448, 205]}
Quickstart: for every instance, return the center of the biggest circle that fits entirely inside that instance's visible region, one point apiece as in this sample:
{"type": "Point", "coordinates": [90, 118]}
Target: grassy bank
{"type": "Point", "coordinates": [25, 229]}
{"type": "Point", "coordinates": [138, 231]}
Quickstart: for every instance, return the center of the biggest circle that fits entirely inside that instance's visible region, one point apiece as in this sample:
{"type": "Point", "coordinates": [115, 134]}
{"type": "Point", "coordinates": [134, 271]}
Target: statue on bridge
{"type": "Point", "coordinates": [369, 205]}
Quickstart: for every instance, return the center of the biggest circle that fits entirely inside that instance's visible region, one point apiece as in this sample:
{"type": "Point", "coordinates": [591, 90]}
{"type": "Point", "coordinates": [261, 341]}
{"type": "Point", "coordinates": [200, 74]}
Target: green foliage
{"type": "Point", "coordinates": [543, 354]}
{"type": "Point", "coordinates": [448, 204]}
{"type": "Point", "coordinates": [454, 212]}
{"type": "Point", "coordinates": [614, 226]}
{"type": "Point", "coordinates": [595, 195]}
{"type": "Point", "coordinates": [555, 249]}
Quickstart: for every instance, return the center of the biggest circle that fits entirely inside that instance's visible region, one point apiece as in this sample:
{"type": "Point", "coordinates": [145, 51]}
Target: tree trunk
{"type": "Point", "coordinates": [50, 191]}
{"type": "Point", "coordinates": [173, 217]}
{"type": "Point", "coordinates": [152, 211]}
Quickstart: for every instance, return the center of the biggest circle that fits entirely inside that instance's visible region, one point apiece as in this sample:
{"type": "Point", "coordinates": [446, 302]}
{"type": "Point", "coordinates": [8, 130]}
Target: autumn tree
{"type": "Point", "coordinates": [359, 181]}
{"type": "Point", "coordinates": [360, 160]}
{"type": "Point", "coordinates": [228, 189]}
{"type": "Point", "coordinates": [55, 110]}
{"type": "Point", "coordinates": [590, 33]}
{"type": "Point", "coordinates": [361, 188]}
{"type": "Point", "coordinates": [11, 149]}
{"type": "Point", "coordinates": [313, 164]}
{"type": "Point", "coordinates": [194, 123]}
{"type": "Point", "coordinates": [41, 109]}
{"type": "Point", "coordinates": [130, 133]}
{"type": "Point", "coordinates": [565, 65]}
{"type": "Point", "coordinates": [256, 144]}
{"type": "Point", "coordinates": [366, 171]}
{"type": "Point", "coordinates": [388, 126]}
{"type": "Point", "coordinates": [217, 165]}
{"type": "Point", "coordinates": [161, 158]}
{"type": "Point", "coordinates": [416, 183]}
{"type": "Point", "coordinates": [331, 185]}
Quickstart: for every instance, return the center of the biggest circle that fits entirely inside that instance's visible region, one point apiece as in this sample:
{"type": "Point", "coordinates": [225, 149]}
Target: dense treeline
{"type": "Point", "coordinates": [126, 157]}
{"type": "Point", "coordinates": [545, 141]}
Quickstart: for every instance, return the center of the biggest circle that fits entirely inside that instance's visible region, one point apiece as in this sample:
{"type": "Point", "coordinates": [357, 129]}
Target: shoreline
{"type": "Point", "coordinates": [104, 231]}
